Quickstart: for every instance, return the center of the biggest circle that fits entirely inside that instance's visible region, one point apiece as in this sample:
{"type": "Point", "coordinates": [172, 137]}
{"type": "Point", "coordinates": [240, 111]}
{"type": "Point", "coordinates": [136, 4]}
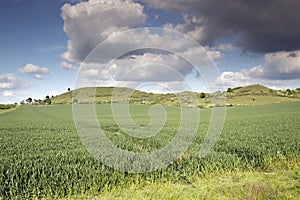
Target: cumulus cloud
{"type": "Point", "coordinates": [145, 55]}
{"type": "Point", "coordinates": [225, 47]}
{"type": "Point", "coordinates": [214, 54]}
{"type": "Point", "coordinates": [33, 69]}
{"type": "Point", "coordinates": [67, 65]}
{"type": "Point", "coordinates": [9, 84]}
{"type": "Point", "coordinates": [90, 22]}
{"type": "Point", "coordinates": [102, 41]}
{"type": "Point", "coordinates": [147, 67]}
{"type": "Point", "coordinates": [242, 78]}
{"type": "Point", "coordinates": [282, 65]}
{"type": "Point", "coordinates": [261, 26]}
{"type": "Point", "coordinates": [279, 68]}
{"type": "Point", "coordinates": [133, 70]}
{"type": "Point", "coordinates": [150, 67]}
{"type": "Point", "coordinates": [193, 27]}
{"type": "Point", "coordinates": [10, 81]}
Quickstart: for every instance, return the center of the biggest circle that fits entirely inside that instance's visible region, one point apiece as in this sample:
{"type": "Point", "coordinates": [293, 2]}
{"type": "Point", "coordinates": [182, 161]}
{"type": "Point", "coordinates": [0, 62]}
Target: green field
{"type": "Point", "coordinates": [41, 156]}
{"type": "Point", "coordinates": [241, 96]}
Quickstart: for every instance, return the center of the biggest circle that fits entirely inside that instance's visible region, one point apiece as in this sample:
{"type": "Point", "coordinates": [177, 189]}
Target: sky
{"type": "Point", "coordinates": [49, 46]}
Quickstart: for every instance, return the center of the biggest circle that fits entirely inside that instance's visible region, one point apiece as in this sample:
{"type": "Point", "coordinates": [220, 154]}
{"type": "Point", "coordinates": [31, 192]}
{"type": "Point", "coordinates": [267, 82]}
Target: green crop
{"type": "Point", "coordinates": [41, 154]}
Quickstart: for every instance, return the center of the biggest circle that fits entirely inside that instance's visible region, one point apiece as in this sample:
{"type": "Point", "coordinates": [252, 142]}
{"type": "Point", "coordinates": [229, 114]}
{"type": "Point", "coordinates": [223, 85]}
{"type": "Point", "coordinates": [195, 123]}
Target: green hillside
{"type": "Point", "coordinates": [257, 88]}
{"type": "Point", "coordinates": [240, 96]}
{"type": "Point", "coordinates": [259, 94]}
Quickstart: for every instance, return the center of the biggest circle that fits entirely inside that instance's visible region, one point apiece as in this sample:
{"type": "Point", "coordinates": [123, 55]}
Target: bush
{"type": "Point", "coordinates": [229, 90]}
{"type": "Point", "coordinates": [202, 95]}
{"type": "Point", "coordinates": [47, 101]}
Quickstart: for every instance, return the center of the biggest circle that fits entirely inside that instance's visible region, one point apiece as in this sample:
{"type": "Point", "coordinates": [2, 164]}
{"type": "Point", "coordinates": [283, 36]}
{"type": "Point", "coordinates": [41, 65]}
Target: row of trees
{"type": "Point", "coordinates": [29, 100]}
{"type": "Point", "coordinates": [46, 101]}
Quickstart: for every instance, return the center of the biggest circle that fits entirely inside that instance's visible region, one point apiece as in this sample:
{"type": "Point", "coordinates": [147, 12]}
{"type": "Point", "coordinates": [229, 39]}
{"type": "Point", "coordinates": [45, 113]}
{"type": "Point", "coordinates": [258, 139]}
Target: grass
{"type": "Point", "coordinates": [41, 156]}
{"type": "Point", "coordinates": [7, 108]}
{"type": "Point", "coordinates": [242, 96]}
{"type": "Point", "coordinates": [281, 184]}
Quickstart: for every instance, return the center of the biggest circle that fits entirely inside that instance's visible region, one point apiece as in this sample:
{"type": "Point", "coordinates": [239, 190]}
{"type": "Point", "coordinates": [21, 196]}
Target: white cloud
{"type": "Point", "coordinates": [110, 22]}
{"type": "Point", "coordinates": [282, 65]}
{"type": "Point", "coordinates": [280, 68]}
{"type": "Point", "coordinates": [242, 78]}
{"type": "Point", "coordinates": [150, 67]}
{"type": "Point", "coordinates": [67, 65]}
{"type": "Point", "coordinates": [38, 76]}
{"type": "Point", "coordinates": [146, 55]}
{"type": "Point", "coordinates": [10, 81]}
{"type": "Point", "coordinates": [10, 85]}
{"type": "Point", "coordinates": [192, 26]}
{"type": "Point", "coordinates": [233, 79]}
{"type": "Point", "coordinates": [214, 54]}
{"type": "Point", "coordinates": [8, 93]}
{"type": "Point", "coordinates": [168, 87]}
{"type": "Point", "coordinates": [225, 47]}
{"type": "Point", "coordinates": [33, 69]}
{"type": "Point", "coordinates": [90, 22]}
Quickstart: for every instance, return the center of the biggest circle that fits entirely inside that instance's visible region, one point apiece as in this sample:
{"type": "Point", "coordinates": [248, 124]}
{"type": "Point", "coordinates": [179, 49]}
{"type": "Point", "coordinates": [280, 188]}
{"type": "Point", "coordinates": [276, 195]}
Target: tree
{"type": "Point", "coordinates": [69, 89]}
{"type": "Point", "coordinates": [29, 100]}
{"type": "Point", "coordinates": [47, 101]}
{"type": "Point", "coordinates": [229, 90]}
{"type": "Point", "coordinates": [202, 95]}
{"type": "Point", "coordinates": [22, 102]}
{"type": "Point", "coordinates": [47, 97]}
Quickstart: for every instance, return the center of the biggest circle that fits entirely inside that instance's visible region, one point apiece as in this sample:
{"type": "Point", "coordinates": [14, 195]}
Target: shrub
{"type": "Point", "coordinates": [229, 90]}
{"type": "Point", "coordinates": [202, 95]}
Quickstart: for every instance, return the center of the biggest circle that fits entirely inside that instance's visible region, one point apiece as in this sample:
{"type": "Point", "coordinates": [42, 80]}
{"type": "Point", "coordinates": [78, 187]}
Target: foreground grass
{"type": "Point", "coordinates": [41, 156]}
{"type": "Point", "coordinates": [283, 183]}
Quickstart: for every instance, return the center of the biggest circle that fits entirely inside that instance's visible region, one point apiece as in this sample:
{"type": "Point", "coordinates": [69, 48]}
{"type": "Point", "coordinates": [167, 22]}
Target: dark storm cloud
{"type": "Point", "coordinates": [261, 25]}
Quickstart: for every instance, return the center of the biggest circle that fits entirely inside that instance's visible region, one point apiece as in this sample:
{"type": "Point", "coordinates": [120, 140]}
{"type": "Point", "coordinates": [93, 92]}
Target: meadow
{"type": "Point", "coordinates": [41, 155]}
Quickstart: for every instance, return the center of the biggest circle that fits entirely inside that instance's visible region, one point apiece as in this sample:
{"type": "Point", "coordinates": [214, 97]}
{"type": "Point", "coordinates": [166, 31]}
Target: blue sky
{"type": "Point", "coordinates": [43, 43]}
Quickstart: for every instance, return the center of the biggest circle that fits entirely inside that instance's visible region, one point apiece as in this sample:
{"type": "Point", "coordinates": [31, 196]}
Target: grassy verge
{"type": "Point", "coordinates": [279, 184]}
{"type": "Point", "coordinates": [2, 111]}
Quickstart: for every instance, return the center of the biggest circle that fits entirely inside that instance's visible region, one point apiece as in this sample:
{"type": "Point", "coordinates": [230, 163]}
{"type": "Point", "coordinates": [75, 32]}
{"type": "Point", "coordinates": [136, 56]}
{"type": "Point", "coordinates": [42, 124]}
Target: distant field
{"type": "Point", "coordinates": [41, 154]}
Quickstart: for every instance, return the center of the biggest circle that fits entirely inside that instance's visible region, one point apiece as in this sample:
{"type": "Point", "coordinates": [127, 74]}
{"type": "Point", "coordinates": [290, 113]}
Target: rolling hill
{"type": "Point", "coordinates": [240, 96]}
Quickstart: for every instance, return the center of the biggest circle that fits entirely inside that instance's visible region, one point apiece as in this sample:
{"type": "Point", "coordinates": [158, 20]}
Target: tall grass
{"type": "Point", "coordinates": [41, 154]}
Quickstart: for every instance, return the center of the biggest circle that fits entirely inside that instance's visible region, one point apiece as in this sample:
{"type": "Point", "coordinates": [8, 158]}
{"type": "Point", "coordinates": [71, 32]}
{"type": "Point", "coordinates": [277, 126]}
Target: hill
{"type": "Point", "coordinates": [257, 88]}
{"type": "Point", "coordinates": [240, 96]}
{"type": "Point", "coordinates": [105, 95]}
{"type": "Point", "coordinates": [259, 94]}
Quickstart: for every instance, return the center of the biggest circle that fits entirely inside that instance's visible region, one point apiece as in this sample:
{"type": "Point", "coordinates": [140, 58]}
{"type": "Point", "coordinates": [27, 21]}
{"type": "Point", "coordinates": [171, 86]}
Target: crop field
{"type": "Point", "coordinates": [41, 154]}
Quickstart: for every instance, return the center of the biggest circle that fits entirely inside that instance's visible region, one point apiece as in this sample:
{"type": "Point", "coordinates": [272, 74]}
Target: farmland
{"type": "Point", "coordinates": [41, 154]}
